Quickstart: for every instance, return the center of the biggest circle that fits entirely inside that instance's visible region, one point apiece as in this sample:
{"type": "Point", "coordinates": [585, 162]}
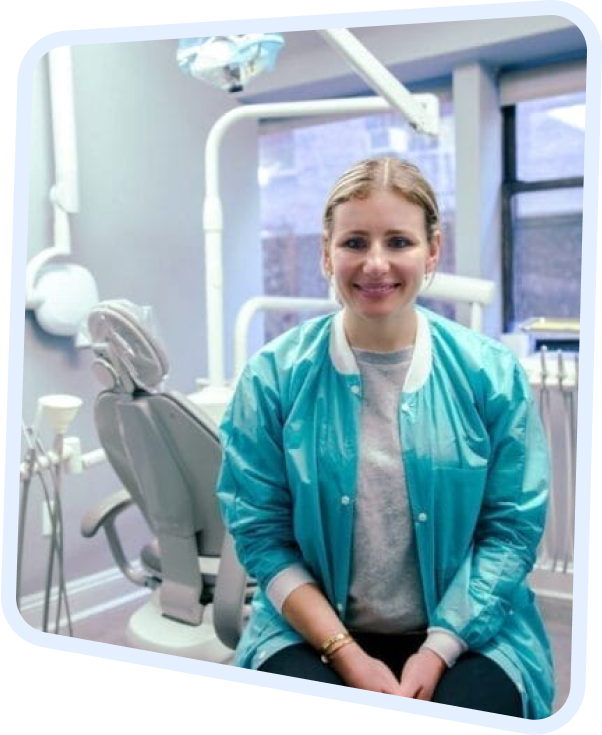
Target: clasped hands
{"type": "Point", "coordinates": [419, 677]}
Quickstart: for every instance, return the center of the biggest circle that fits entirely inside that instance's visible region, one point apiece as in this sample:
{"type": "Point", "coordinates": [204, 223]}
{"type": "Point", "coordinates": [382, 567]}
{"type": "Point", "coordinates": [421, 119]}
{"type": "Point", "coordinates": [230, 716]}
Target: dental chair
{"type": "Point", "coordinates": [166, 452]}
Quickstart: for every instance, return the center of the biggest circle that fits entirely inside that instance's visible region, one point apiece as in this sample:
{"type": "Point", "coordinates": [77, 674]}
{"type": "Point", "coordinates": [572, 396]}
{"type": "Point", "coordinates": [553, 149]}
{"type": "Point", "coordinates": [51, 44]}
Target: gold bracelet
{"type": "Point", "coordinates": [332, 653]}
{"type": "Point", "coordinates": [332, 640]}
{"type": "Point", "coordinates": [332, 645]}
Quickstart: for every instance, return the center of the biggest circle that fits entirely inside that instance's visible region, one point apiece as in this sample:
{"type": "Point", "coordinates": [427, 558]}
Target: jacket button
{"type": "Point", "coordinates": [345, 500]}
{"type": "Point", "coordinates": [405, 407]}
{"type": "Point", "coordinates": [422, 517]}
{"type": "Point", "coordinates": [355, 389]}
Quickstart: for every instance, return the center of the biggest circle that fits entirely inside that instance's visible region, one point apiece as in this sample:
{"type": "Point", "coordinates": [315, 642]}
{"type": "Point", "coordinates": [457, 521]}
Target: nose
{"type": "Point", "coordinates": [377, 261]}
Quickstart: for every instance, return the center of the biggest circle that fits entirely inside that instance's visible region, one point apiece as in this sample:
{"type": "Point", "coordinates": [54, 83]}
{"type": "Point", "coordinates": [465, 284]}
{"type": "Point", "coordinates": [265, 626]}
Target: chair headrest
{"type": "Point", "coordinates": [127, 353]}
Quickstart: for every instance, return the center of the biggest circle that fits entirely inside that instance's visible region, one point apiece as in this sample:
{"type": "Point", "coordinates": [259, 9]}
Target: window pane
{"type": "Point", "coordinates": [297, 168]}
{"type": "Point", "coordinates": [550, 136]}
{"type": "Point", "coordinates": [547, 253]}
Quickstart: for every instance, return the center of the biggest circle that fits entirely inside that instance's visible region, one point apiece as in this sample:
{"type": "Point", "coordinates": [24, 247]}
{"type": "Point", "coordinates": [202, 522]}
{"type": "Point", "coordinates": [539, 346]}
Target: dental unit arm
{"type": "Point", "coordinates": [61, 294]}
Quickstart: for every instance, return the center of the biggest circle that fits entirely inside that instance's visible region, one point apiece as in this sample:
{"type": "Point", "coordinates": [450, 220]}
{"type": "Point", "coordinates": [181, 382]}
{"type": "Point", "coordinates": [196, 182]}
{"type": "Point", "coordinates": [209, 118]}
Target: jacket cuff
{"type": "Point", "coordinates": [445, 644]}
{"type": "Point", "coordinates": [285, 582]}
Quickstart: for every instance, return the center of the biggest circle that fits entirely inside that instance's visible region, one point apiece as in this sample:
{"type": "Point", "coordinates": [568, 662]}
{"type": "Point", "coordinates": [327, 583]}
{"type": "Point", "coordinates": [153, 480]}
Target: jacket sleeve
{"type": "Point", "coordinates": [252, 488]}
{"type": "Point", "coordinates": [491, 579]}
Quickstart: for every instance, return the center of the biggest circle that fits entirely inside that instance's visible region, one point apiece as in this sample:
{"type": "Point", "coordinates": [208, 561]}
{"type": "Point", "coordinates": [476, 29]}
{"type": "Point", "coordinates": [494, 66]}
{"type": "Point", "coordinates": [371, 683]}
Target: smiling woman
{"type": "Point", "coordinates": [379, 245]}
{"type": "Point", "coordinates": [385, 478]}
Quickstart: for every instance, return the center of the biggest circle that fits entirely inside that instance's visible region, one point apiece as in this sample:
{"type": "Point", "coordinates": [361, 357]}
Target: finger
{"type": "Point", "coordinates": [424, 694]}
{"type": "Point", "coordinates": [408, 689]}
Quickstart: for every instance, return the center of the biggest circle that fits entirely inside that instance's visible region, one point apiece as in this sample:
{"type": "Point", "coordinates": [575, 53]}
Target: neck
{"type": "Point", "coordinates": [381, 335]}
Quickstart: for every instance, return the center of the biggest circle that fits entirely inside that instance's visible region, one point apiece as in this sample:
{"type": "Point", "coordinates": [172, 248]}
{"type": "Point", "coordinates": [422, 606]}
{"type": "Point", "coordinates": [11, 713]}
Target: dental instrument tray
{"type": "Point", "coordinates": [557, 333]}
{"type": "Point", "coordinates": [548, 325]}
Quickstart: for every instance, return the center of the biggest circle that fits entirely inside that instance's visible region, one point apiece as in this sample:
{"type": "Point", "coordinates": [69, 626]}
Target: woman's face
{"type": "Point", "coordinates": [378, 255]}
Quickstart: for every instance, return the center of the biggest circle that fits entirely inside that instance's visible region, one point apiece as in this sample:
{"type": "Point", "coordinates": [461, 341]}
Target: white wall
{"type": "Point", "coordinates": [478, 221]}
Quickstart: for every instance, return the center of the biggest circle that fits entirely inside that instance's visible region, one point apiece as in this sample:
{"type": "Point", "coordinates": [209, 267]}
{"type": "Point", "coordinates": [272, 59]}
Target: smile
{"type": "Point", "coordinates": [376, 289]}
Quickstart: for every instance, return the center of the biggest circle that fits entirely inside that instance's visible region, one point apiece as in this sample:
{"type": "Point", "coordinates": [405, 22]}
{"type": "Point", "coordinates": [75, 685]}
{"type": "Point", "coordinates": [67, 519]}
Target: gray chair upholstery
{"type": "Point", "coordinates": [166, 452]}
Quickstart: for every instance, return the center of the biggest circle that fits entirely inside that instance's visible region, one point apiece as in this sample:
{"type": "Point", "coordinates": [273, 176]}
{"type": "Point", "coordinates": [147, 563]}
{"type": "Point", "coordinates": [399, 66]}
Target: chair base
{"type": "Point", "coordinates": [150, 631]}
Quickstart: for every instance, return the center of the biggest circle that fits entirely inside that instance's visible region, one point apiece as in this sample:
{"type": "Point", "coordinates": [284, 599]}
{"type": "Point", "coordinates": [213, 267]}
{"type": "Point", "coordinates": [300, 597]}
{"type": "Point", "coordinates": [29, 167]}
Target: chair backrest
{"type": "Point", "coordinates": [164, 449]}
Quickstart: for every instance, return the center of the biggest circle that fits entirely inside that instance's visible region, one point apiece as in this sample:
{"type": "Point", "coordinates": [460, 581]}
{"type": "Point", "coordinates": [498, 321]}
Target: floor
{"type": "Point", "coordinates": [110, 628]}
{"type": "Point", "coordinates": [558, 617]}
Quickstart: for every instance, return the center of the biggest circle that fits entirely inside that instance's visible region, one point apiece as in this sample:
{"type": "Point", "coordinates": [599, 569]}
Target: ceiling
{"type": "Point", "coordinates": [418, 54]}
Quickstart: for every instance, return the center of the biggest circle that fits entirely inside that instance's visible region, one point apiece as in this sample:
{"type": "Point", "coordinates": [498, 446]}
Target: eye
{"type": "Point", "coordinates": [354, 243]}
{"type": "Point", "coordinates": [400, 242]}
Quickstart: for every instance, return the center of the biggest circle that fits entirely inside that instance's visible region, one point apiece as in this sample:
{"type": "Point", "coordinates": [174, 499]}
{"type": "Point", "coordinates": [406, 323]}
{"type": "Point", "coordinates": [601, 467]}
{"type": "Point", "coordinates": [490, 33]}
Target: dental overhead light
{"type": "Point", "coordinates": [229, 62]}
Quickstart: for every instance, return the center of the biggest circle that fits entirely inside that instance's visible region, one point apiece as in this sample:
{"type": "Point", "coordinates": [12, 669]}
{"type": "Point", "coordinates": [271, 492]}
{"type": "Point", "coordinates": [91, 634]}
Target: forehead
{"type": "Point", "coordinates": [380, 209]}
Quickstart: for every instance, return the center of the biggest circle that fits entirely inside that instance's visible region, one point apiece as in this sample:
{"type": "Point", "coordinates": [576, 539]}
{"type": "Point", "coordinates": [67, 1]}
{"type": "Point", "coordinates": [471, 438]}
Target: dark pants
{"type": "Point", "coordinates": [474, 681]}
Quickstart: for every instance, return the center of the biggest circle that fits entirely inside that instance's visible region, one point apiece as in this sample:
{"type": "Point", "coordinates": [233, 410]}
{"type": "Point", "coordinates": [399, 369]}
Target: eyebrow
{"type": "Point", "coordinates": [365, 233]}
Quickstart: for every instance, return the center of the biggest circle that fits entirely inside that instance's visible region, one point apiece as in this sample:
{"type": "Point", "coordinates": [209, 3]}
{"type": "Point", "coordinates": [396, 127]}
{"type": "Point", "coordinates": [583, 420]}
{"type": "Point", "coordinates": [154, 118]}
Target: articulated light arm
{"type": "Point", "coordinates": [422, 114]}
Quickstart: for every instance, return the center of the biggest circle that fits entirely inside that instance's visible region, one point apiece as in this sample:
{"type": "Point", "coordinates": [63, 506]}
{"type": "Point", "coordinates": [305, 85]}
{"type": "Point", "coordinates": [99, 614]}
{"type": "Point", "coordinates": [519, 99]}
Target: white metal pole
{"type": "Point", "coordinates": [64, 194]}
{"type": "Point", "coordinates": [269, 303]}
{"type": "Point", "coordinates": [65, 191]}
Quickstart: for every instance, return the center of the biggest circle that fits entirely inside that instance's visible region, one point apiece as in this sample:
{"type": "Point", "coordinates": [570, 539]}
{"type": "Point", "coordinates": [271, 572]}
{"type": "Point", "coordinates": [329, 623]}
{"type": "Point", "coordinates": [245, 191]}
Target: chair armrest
{"type": "Point", "coordinates": [107, 510]}
{"type": "Point", "coordinates": [230, 594]}
{"type": "Point", "coordinates": [104, 516]}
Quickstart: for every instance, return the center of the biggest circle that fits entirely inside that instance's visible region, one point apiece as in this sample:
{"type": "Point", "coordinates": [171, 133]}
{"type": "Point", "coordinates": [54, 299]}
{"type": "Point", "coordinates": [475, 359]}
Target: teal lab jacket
{"type": "Point", "coordinates": [476, 467]}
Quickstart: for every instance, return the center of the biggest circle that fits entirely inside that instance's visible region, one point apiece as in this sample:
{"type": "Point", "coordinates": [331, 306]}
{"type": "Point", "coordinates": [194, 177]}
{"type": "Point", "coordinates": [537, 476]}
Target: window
{"type": "Point", "coordinates": [543, 207]}
{"type": "Point", "coordinates": [279, 158]}
{"type": "Point", "coordinates": [293, 196]}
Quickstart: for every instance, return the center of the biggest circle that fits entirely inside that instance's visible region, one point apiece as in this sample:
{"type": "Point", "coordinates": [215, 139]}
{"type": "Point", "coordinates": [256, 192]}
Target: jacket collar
{"type": "Point", "coordinates": [344, 360]}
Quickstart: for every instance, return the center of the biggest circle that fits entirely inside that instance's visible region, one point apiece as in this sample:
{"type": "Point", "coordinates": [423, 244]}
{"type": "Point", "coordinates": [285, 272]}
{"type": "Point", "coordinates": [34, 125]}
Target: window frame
{"type": "Point", "coordinates": [511, 186]}
{"type": "Point", "coordinates": [515, 86]}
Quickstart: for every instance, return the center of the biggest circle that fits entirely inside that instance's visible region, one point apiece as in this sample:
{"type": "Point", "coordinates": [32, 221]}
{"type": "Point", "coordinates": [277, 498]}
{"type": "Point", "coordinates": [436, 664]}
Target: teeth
{"type": "Point", "coordinates": [376, 289]}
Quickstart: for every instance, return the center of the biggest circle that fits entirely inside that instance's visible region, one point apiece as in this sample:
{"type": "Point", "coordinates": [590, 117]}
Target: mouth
{"type": "Point", "coordinates": [376, 290]}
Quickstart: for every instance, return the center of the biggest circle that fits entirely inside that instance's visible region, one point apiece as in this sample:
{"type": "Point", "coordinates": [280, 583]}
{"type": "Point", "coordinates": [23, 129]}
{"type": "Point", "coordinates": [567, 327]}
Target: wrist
{"type": "Point", "coordinates": [331, 645]}
{"type": "Point", "coordinates": [433, 656]}
{"type": "Point", "coordinates": [445, 644]}
{"type": "Point", "coordinates": [347, 658]}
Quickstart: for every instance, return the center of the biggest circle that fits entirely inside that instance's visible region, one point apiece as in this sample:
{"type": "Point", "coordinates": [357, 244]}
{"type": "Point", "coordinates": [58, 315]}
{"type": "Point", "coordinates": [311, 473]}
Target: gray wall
{"type": "Point", "coordinates": [141, 128]}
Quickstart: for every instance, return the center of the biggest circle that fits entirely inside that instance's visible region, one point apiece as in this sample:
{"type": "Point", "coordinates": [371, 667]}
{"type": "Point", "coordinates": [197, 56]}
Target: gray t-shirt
{"type": "Point", "coordinates": [385, 594]}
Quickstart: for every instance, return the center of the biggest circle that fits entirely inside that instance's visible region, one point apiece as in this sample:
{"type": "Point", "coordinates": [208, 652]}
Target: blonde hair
{"type": "Point", "coordinates": [384, 174]}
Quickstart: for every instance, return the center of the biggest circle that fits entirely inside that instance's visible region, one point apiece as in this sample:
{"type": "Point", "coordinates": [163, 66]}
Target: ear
{"type": "Point", "coordinates": [434, 252]}
{"type": "Point", "coordinates": [326, 261]}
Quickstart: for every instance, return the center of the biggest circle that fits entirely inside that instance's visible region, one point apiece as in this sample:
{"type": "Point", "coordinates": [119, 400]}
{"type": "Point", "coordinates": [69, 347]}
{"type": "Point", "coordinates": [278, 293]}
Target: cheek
{"type": "Point", "coordinates": [340, 268]}
{"type": "Point", "coordinates": [412, 269]}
